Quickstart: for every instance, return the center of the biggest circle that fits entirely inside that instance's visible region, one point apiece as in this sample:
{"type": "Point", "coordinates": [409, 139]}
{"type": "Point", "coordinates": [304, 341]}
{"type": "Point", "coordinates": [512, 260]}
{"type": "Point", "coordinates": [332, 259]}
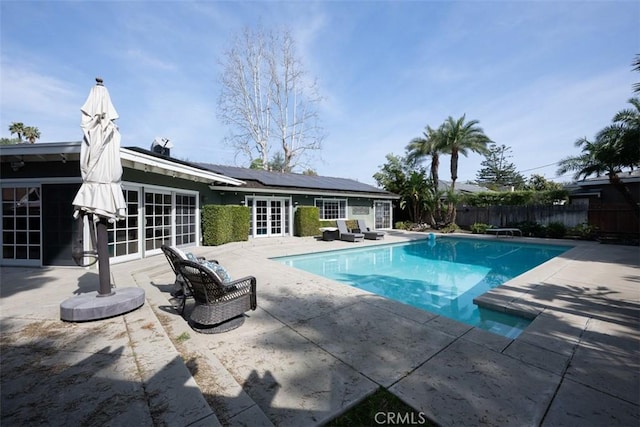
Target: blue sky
{"type": "Point", "coordinates": [537, 75]}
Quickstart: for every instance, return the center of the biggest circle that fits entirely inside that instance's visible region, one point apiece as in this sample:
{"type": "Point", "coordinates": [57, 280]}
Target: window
{"type": "Point", "coordinates": [123, 235]}
{"type": "Point", "coordinates": [332, 208]}
{"type": "Point", "coordinates": [185, 219]}
{"type": "Point", "coordinates": [157, 216]}
{"type": "Point", "coordinates": [21, 223]}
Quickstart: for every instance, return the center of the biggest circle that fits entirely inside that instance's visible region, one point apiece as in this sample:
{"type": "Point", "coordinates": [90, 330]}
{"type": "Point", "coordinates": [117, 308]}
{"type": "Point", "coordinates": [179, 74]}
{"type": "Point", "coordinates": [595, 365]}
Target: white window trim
{"type": "Point", "coordinates": [324, 199]}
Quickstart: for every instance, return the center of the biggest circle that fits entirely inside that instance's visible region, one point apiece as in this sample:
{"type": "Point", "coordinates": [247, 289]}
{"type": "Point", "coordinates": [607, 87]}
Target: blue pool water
{"type": "Point", "coordinates": [442, 276]}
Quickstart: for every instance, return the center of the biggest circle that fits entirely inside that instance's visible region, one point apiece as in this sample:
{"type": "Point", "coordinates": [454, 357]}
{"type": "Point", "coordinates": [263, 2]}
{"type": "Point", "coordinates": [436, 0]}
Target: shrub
{"type": "Point", "coordinates": [530, 229]}
{"type": "Point", "coordinates": [224, 223]}
{"type": "Point", "coordinates": [515, 198]}
{"type": "Point", "coordinates": [479, 228]}
{"type": "Point", "coordinates": [556, 230]}
{"type": "Point", "coordinates": [404, 225]}
{"type": "Point", "coordinates": [306, 221]}
{"type": "Point", "coordinates": [584, 231]}
{"type": "Point", "coordinates": [450, 228]}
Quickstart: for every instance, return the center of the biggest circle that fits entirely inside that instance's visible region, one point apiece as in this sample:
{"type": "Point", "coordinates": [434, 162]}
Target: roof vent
{"type": "Point", "coordinates": [162, 146]}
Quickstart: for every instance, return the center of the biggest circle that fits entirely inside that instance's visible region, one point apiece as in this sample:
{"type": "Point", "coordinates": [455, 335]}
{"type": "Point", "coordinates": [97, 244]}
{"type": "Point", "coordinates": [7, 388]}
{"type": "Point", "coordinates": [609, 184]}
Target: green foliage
{"type": "Point", "coordinates": [224, 224]}
{"type": "Point", "coordinates": [540, 183]}
{"type": "Point", "coordinates": [479, 228]}
{"type": "Point", "coordinates": [450, 228]}
{"type": "Point", "coordinates": [614, 149]}
{"type": "Point", "coordinates": [418, 196]}
{"type": "Point", "coordinates": [530, 229]}
{"type": "Point", "coordinates": [9, 141]}
{"type": "Point", "coordinates": [183, 337]}
{"type": "Point", "coordinates": [497, 171]}
{"type": "Point", "coordinates": [515, 198]}
{"type": "Point", "coordinates": [556, 230]}
{"type": "Point", "coordinates": [307, 221]}
{"type": "Point", "coordinates": [584, 231]}
{"type": "Point", "coordinates": [400, 225]}
{"type": "Point", "coordinates": [31, 133]}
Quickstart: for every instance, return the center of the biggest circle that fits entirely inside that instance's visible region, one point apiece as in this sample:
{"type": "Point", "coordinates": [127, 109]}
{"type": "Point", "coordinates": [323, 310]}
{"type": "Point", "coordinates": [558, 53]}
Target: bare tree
{"type": "Point", "coordinates": [267, 100]}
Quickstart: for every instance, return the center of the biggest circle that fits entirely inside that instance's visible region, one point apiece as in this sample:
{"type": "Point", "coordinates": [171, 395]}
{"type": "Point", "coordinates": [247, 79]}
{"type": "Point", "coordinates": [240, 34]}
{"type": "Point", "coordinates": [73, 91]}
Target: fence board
{"type": "Point", "coordinates": [501, 216]}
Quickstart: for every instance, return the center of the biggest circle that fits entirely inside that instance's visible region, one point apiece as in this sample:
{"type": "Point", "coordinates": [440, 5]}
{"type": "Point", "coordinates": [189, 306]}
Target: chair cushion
{"type": "Point", "coordinates": [220, 272]}
{"type": "Point", "coordinates": [191, 257]}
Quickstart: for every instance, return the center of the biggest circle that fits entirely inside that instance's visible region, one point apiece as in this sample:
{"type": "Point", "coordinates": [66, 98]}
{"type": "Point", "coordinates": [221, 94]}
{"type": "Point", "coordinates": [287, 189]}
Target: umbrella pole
{"type": "Point", "coordinates": [103, 259]}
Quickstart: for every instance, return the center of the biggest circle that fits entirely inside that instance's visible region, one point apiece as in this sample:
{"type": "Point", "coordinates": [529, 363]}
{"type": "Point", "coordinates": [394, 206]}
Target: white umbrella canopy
{"type": "Point", "coordinates": [100, 196]}
{"type": "Point", "coordinates": [100, 165]}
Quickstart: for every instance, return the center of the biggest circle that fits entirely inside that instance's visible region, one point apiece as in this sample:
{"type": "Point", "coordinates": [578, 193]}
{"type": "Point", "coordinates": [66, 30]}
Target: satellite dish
{"type": "Point", "coordinates": [162, 142]}
{"type": "Point", "coordinates": [161, 146]}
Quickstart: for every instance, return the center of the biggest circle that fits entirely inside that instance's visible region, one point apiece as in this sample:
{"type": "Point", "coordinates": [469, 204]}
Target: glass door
{"type": "Point", "coordinates": [269, 217]}
{"type": "Point", "coordinates": [275, 215]}
{"type": "Point", "coordinates": [383, 214]}
{"type": "Point", "coordinates": [261, 209]}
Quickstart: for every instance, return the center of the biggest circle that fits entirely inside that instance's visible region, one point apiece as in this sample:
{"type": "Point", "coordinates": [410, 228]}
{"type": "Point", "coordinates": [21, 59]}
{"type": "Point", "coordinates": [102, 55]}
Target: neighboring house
{"type": "Point", "coordinates": [608, 209]}
{"type": "Point", "coordinates": [164, 198]}
{"type": "Point", "coordinates": [600, 191]}
{"type": "Point", "coordinates": [462, 188]}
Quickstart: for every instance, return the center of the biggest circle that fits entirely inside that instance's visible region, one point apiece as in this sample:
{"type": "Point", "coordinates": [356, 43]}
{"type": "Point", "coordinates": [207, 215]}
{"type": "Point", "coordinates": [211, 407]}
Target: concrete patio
{"type": "Point", "coordinates": [315, 347]}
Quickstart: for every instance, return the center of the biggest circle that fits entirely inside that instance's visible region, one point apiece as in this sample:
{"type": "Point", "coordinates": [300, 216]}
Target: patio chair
{"type": "Point", "coordinates": [347, 235]}
{"type": "Point", "coordinates": [368, 233]}
{"type": "Point", "coordinates": [180, 291]}
{"type": "Point", "coordinates": [219, 305]}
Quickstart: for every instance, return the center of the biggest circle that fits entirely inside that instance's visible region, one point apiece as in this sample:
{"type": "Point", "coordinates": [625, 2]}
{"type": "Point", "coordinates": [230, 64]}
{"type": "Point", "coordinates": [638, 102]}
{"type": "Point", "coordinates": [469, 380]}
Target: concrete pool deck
{"type": "Point", "coordinates": [315, 347]}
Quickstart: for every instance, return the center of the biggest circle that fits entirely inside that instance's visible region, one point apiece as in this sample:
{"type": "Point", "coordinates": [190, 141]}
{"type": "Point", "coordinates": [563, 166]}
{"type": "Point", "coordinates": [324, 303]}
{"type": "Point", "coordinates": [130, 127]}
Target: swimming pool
{"type": "Point", "coordinates": [442, 275]}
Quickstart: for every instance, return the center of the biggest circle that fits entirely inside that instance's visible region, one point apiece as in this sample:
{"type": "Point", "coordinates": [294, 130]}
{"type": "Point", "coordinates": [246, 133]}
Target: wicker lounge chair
{"type": "Point", "coordinates": [345, 234]}
{"type": "Point", "coordinates": [180, 291]}
{"type": "Point", "coordinates": [219, 307]}
{"type": "Point", "coordinates": [368, 233]}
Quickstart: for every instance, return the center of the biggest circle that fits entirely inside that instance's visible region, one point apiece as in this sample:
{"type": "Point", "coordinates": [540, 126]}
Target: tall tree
{"type": "Point", "coordinates": [498, 171]}
{"type": "Point", "coordinates": [430, 144]}
{"type": "Point", "coordinates": [614, 149]}
{"type": "Point", "coordinates": [18, 129]}
{"type": "Point", "coordinates": [267, 99]}
{"type": "Point", "coordinates": [460, 137]}
{"type": "Point", "coordinates": [540, 183]}
{"type": "Point", "coordinates": [31, 133]}
{"type": "Point", "coordinates": [418, 195]}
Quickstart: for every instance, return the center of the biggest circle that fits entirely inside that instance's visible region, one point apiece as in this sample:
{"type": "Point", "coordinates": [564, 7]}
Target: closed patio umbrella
{"type": "Point", "coordinates": [100, 198]}
{"type": "Point", "coordinates": [100, 166]}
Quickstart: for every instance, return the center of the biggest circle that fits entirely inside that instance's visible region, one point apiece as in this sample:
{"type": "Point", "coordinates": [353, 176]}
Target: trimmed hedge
{"type": "Point", "coordinates": [515, 198]}
{"type": "Point", "coordinates": [306, 221]}
{"type": "Point", "coordinates": [225, 224]}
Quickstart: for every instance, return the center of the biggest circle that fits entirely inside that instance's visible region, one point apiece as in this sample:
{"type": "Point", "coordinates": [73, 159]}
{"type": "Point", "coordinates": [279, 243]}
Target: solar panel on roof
{"type": "Point", "coordinates": [279, 179]}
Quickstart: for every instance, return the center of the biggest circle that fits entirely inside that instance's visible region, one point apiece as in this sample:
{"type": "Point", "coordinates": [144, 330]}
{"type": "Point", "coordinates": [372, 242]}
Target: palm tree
{"type": "Point", "coordinates": [31, 133]}
{"type": "Point", "coordinates": [636, 67]}
{"type": "Point", "coordinates": [626, 127]}
{"type": "Point", "coordinates": [458, 138]}
{"type": "Point", "coordinates": [430, 144]}
{"type": "Point", "coordinates": [17, 128]}
{"type": "Point", "coordinates": [615, 148]}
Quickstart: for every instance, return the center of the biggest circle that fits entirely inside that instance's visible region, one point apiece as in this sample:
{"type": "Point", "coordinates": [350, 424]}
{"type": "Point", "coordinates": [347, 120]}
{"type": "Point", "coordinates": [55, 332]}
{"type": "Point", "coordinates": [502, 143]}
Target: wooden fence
{"type": "Point", "coordinates": [610, 218]}
{"type": "Point", "coordinates": [614, 218]}
{"type": "Point", "coordinates": [500, 216]}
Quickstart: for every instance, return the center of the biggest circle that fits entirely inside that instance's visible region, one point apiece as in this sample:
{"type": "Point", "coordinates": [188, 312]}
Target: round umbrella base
{"type": "Point", "coordinates": [92, 306]}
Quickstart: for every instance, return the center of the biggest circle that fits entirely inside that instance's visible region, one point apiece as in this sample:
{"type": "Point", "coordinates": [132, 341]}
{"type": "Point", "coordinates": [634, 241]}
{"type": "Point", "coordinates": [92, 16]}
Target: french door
{"type": "Point", "coordinates": [270, 217]}
{"type": "Point", "coordinates": [382, 211]}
